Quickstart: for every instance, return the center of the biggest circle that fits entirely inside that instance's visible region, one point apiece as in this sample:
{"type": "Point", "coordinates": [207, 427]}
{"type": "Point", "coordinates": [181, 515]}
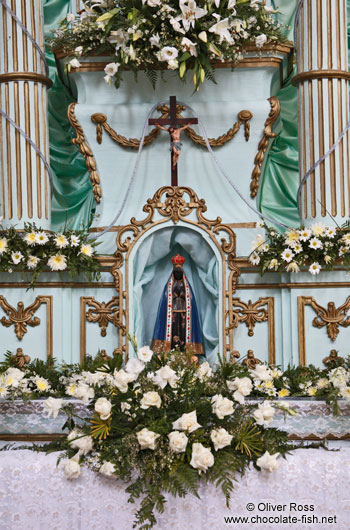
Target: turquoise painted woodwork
{"type": "Point", "coordinates": [216, 105]}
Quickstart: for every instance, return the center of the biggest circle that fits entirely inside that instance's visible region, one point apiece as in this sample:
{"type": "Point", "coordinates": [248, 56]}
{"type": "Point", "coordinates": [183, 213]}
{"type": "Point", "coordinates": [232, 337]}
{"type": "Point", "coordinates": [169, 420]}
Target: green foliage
{"type": "Point", "coordinates": [139, 36]}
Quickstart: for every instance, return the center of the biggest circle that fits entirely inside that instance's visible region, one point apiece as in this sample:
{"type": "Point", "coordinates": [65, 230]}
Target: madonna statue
{"type": "Point", "coordinates": [177, 325]}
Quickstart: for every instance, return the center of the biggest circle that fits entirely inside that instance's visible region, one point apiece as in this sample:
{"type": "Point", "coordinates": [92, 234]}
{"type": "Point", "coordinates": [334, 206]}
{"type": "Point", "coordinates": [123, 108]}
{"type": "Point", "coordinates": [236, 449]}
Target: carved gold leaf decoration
{"type": "Point", "coordinates": [175, 203]}
{"type": "Point", "coordinates": [103, 313]}
{"type": "Point", "coordinates": [85, 150]}
{"type": "Point", "coordinates": [263, 144]}
{"type": "Point", "coordinates": [331, 318]}
{"type": "Point", "coordinates": [20, 318]}
{"type": "Point", "coordinates": [249, 313]}
{"type": "Point", "coordinates": [244, 116]}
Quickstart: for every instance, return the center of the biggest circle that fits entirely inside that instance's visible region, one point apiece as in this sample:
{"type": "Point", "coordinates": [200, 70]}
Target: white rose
{"type": "Point", "coordinates": [220, 438]}
{"type": "Point", "coordinates": [187, 422]}
{"type": "Point", "coordinates": [84, 392]}
{"type": "Point", "coordinates": [107, 469]}
{"type": "Point", "coordinates": [178, 441]}
{"type": "Point", "coordinates": [75, 63]}
{"type": "Point", "coordinates": [204, 371]}
{"type": "Point", "coordinates": [221, 406]}
{"type": "Point", "coordinates": [103, 407]}
{"type": "Point", "coordinates": [121, 380]}
{"type": "Point", "coordinates": [202, 457]}
{"type": "Point", "coordinates": [72, 469]}
{"type": "Point", "coordinates": [147, 439]}
{"type": "Point", "coordinates": [264, 413]}
{"type": "Point", "coordinates": [150, 399]}
{"type": "Point", "coordinates": [168, 53]}
{"type": "Point", "coordinates": [79, 50]}
{"type": "Point", "coordinates": [165, 375]}
{"type": "Point", "coordinates": [134, 366]}
{"type": "Point", "coordinates": [260, 40]}
{"type": "Point", "coordinates": [52, 407]}
{"type": "Point", "coordinates": [80, 441]}
{"type": "Point", "coordinates": [242, 387]}
{"type": "Point", "coordinates": [145, 354]}
{"type": "Point", "coordinates": [111, 69]}
{"type": "Point", "coordinates": [268, 462]}
{"type": "Point", "coordinates": [261, 372]}
{"type": "Point", "coordinates": [70, 18]}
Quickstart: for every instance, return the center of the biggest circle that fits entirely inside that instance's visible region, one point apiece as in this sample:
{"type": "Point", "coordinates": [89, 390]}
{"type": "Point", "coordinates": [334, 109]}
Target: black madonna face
{"type": "Point", "coordinates": [178, 273]}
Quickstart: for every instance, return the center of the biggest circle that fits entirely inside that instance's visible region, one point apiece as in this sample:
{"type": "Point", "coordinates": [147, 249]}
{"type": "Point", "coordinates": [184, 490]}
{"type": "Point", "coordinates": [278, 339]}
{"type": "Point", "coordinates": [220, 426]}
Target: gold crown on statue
{"type": "Point", "coordinates": [178, 260]}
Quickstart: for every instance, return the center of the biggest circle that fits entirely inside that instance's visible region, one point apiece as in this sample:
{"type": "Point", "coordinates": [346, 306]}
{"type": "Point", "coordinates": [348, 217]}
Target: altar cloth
{"type": "Point", "coordinates": [34, 495]}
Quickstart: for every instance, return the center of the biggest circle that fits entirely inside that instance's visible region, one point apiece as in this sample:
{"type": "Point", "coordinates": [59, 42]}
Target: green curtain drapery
{"type": "Point", "coordinates": [72, 196]}
{"type": "Point", "coordinates": [280, 180]}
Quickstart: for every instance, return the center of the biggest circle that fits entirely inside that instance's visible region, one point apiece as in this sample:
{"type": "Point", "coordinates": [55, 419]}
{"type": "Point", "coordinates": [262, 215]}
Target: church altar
{"type": "Point", "coordinates": [267, 142]}
{"type": "Point", "coordinates": [34, 495]}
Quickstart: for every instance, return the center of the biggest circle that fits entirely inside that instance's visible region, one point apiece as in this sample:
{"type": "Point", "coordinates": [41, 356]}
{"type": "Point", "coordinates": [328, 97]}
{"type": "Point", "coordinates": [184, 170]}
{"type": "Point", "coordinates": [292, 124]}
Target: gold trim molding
{"type": "Point", "coordinates": [251, 313]}
{"type": "Point", "coordinates": [320, 74]}
{"type": "Point", "coordinates": [21, 318]}
{"type": "Point", "coordinates": [263, 144]}
{"type": "Point", "coordinates": [26, 76]}
{"type": "Point", "coordinates": [85, 150]}
{"type": "Point", "coordinates": [331, 318]}
{"type": "Point", "coordinates": [101, 313]}
{"type": "Point", "coordinates": [100, 120]}
{"type": "Point", "coordinates": [170, 203]}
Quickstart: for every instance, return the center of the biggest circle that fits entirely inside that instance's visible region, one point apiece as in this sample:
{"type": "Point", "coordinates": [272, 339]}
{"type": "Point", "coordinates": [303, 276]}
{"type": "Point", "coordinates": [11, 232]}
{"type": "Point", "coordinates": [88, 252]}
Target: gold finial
{"type": "Point", "coordinates": [332, 361]}
{"type": "Point", "coordinates": [250, 361]}
{"type": "Point", "coordinates": [104, 356]}
{"type": "Point", "coordinates": [234, 355]}
{"type": "Point", "coordinates": [19, 359]}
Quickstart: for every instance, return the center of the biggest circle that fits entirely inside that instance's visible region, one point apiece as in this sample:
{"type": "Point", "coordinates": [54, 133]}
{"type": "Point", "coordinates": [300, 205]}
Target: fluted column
{"type": "Point", "coordinates": [323, 98]}
{"type": "Point", "coordinates": [24, 183]}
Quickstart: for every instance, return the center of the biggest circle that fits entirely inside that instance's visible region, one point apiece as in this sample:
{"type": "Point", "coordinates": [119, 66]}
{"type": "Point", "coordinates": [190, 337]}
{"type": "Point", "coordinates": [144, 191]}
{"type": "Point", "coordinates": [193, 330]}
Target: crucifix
{"type": "Point", "coordinates": [174, 132]}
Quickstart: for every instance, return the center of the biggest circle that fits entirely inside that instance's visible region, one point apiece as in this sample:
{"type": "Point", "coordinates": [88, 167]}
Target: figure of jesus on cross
{"type": "Point", "coordinates": [174, 132]}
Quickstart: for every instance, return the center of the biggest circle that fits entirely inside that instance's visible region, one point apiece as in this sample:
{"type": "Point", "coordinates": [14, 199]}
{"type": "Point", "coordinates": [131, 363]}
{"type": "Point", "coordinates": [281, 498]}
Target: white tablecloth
{"type": "Point", "coordinates": [34, 495]}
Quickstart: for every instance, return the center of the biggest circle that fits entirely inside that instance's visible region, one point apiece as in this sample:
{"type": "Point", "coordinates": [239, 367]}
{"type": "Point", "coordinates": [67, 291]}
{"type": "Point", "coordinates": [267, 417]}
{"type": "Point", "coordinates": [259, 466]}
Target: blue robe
{"type": "Point", "coordinates": [162, 335]}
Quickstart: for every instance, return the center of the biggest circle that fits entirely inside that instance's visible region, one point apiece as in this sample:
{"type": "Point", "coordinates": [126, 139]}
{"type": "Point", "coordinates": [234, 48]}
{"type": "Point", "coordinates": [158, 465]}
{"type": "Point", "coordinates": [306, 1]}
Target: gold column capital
{"type": "Point", "coordinates": [26, 76]}
{"type": "Point", "coordinates": [320, 74]}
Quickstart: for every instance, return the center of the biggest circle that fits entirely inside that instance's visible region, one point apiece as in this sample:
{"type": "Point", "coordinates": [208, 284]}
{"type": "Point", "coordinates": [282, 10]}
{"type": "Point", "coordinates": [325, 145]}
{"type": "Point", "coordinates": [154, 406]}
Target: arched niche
{"type": "Point", "coordinates": [149, 267]}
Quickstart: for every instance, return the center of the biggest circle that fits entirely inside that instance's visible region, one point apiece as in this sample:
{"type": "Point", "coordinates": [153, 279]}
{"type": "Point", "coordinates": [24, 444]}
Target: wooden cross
{"type": "Point", "coordinates": [173, 121]}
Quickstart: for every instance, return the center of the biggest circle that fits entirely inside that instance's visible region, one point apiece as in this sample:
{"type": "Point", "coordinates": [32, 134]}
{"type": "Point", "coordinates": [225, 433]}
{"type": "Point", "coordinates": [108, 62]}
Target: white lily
{"type": "Point", "coordinates": [221, 28]}
{"type": "Point", "coordinates": [189, 46]}
{"type": "Point", "coordinates": [190, 12]}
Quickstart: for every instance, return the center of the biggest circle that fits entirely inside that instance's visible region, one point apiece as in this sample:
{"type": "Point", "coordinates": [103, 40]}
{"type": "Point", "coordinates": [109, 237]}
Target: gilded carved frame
{"type": "Point", "coordinates": [174, 203]}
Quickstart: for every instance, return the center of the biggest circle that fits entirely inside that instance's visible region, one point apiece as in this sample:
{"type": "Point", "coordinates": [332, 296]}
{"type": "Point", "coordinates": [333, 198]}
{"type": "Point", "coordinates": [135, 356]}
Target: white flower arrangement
{"type": "Point", "coordinates": [178, 35]}
{"type": "Point", "coordinates": [171, 436]}
{"type": "Point", "coordinates": [317, 248]}
{"type": "Point", "coordinates": [35, 250]}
